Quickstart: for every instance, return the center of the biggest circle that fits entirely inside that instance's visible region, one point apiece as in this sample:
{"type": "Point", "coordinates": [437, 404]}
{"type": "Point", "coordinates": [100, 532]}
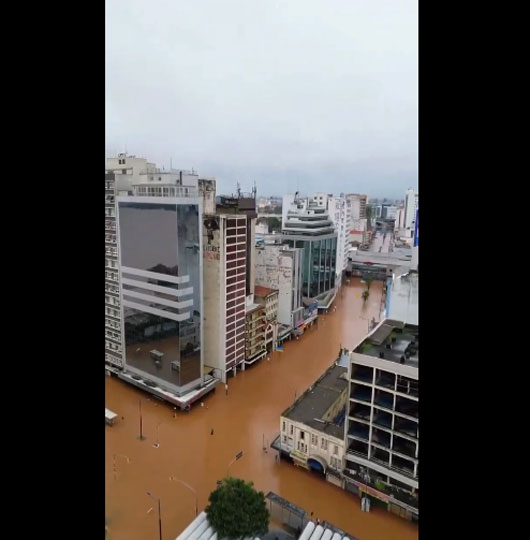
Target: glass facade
{"type": "Point", "coordinates": [161, 287]}
{"type": "Point", "coordinates": [319, 264]}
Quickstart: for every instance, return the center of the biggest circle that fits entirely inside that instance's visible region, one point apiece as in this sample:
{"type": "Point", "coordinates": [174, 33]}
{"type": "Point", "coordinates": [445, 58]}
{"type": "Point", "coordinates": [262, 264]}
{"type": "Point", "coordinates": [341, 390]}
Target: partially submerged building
{"type": "Point", "coordinates": [312, 429]}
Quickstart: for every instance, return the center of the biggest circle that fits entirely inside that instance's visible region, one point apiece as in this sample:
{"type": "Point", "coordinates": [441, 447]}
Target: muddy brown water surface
{"type": "Point", "coordinates": [240, 420]}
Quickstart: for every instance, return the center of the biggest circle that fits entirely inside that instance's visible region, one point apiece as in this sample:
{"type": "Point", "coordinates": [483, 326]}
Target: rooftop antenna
{"type": "Point", "coordinates": [238, 190]}
{"type": "Point", "coordinates": [254, 190]}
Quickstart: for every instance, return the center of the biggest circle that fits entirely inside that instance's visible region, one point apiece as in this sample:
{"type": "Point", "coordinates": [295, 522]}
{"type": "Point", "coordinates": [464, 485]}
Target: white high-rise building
{"type": "Point", "coordinates": [411, 203]}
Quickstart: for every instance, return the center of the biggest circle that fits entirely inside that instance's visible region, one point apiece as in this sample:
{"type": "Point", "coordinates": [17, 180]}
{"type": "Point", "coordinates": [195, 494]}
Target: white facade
{"type": "Point", "coordinates": [114, 351]}
{"type": "Point", "coordinates": [411, 203]}
{"type": "Point", "coordinates": [224, 292]}
{"type": "Point", "coordinates": [357, 205]}
{"type": "Point", "coordinates": [308, 443]}
{"type": "Point", "coordinates": [280, 268]}
{"type": "Point", "coordinates": [128, 171]}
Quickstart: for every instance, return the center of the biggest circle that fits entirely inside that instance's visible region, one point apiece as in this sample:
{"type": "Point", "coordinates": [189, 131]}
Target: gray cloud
{"type": "Point", "coordinates": [291, 91]}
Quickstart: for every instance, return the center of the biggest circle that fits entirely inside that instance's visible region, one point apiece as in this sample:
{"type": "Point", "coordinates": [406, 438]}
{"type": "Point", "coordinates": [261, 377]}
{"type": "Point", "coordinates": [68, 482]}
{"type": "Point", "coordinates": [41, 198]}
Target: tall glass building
{"type": "Point", "coordinates": [308, 227]}
{"type": "Point", "coordinates": [161, 278]}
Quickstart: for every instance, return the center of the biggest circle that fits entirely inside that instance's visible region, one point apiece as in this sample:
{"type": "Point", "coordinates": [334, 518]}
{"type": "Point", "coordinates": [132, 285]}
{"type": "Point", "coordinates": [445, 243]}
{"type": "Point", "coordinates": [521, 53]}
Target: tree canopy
{"type": "Point", "coordinates": [237, 510]}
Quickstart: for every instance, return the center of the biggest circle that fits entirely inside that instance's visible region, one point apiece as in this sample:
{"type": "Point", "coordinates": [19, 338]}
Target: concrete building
{"type": "Point", "coordinates": [229, 252]}
{"type": "Point", "coordinates": [161, 288]}
{"type": "Point", "coordinates": [269, 299]}
{"type": "Point", "coordinates": [128, 171]}
{"type": "Point", "coordinates": [402, 298]}
{"type": "Point", "coordinates": [280, 267]}
{"type": "Point", "coordinates": [114, 354]}
{"type": "Point", "coordinates": [357, 205]}
{"type": "Point", "coordinates": [307, 225]}
{"type": "Point", "coordinates": [411, 204]}
{"type": "Point", "coordinates": [382, 435]}
{"type": "Point", "coordinates": [312, 429]}
{"type": "Point", "coordinates": [255, 324]}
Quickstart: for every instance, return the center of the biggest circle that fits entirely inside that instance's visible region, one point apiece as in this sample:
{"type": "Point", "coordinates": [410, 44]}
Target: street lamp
{"type": "Point", "coordinates": [141, 437]}
{"type": "Point", "coordinates": [157, 444]}
{"type": "Point", "coordinates": [238, 456]}
{"type": "Point", "coordinates": [114, 456]}
{"type": "Point", "coordinates": [174, 478]}
{"type": "Point", "coordinates": [159, 515]}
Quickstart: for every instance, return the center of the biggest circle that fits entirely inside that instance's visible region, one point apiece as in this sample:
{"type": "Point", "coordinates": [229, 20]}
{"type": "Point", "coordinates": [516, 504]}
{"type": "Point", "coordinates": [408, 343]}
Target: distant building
{"type": "Point", "coordinates": [312, 429]}
{"type": "Point", "coordinates": [411, 204]}
{"type": "Point", "coordinates": [357, 205]}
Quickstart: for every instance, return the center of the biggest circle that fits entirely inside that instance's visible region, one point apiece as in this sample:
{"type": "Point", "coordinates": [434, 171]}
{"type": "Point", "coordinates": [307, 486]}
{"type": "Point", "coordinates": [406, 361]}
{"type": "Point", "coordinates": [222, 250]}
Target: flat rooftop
{"type": "Point", "coordinates": [311, 406]}
{"type": "Point", "coordinates": [394, 341]}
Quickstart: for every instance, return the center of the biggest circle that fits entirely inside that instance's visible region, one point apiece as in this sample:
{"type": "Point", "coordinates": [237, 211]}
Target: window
{"type": "Point", "coordinates": [302, 435]}
{"type": "Point", "coordinates": [324, 444]}
{"type": "Point", "coordinates": [291, 430]}
{"type": "Point", "coordinates": [314, 440]}
{"type": "Point", "coordinates": [283, 426]}
{"type": "Point", "coordinates": [336, 450]}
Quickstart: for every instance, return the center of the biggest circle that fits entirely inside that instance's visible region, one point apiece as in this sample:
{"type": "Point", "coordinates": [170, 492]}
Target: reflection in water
{"type": "Point", "coordinates": [241, 419]}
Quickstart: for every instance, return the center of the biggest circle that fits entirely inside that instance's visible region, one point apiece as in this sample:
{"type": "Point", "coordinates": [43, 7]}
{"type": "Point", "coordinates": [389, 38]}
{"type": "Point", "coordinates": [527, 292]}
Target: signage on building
{"type": "Point", "coordinates": [211, 252]}
{"type": "Point", "coordinates": [371, 491]}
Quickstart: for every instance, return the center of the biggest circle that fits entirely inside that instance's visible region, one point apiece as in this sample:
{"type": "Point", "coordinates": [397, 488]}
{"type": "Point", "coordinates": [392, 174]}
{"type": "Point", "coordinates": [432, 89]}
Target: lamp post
{"type": "Point", "coordinates": [239, 455]}
{"type": "Point", "coordinates": [141, 437]}
{"type": "Point", "coordinates": [157, 444]}
{"type": "Point", "coordinates": [159, 515]}
{"type": "Point", "coordinates": [114, 456]}
{"type": "Point", "coordinates": [175, 479]}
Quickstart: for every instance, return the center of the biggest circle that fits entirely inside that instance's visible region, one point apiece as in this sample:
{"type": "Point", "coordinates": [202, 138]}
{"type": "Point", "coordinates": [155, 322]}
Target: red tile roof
{"type": "Point", "coordinates": [263, 292]}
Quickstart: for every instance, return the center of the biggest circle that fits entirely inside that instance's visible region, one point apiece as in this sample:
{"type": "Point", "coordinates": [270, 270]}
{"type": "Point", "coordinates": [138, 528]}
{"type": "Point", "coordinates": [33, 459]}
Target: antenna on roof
{"type": "Point", "coordinates": [238, 190]}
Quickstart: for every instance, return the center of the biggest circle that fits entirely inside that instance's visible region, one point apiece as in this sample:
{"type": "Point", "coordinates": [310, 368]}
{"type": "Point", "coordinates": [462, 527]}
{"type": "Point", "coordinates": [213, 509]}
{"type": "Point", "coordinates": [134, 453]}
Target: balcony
{"type": "Point", "coordinates": [358, 448]}
{"type": "Point", "coordinates": [407, 406]}
{"type": "Point", "coordinates": [362, 393]}
{"type": "Point", "coordinates": [380, 437]}
{"type": "Point", "coordinates": [360, 412]}
{"type": "Point", "coordinates": [408, 427]}
{"type": "Point", "coordinates": [359, 431]}
{"type": "Point", "coordinates": [404, 447]}
{"type": "Point", "coordinates": [383, 419]}
{"type": "Point", "coordinates": [384, 399]}
{"type": "Point", "coordinates": [386, 380]}
{"type": "Point", "coordinates": [362, 373]}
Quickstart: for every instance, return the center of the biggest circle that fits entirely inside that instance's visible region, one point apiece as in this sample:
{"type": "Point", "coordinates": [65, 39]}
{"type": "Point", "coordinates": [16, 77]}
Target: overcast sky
{"type": "Point", "coordinates": [307, 95]}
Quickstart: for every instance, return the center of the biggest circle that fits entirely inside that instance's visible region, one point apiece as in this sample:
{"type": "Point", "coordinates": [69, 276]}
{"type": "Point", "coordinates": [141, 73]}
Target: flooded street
{"type": "Point", "coordinates": [241, 420]}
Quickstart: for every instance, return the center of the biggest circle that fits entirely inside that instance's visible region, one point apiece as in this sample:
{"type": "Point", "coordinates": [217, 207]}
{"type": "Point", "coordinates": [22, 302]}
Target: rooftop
{"type": "Point", "coordinates": [263, 292]}
{"type": "Point", "coordinates": [394, 341]}
{"type": "Point", "coordinates": [312, 405]}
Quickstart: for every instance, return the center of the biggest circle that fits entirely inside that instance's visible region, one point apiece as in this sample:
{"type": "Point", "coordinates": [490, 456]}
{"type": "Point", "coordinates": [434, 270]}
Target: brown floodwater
{"type": "Point", "coordinates": [241, 420]}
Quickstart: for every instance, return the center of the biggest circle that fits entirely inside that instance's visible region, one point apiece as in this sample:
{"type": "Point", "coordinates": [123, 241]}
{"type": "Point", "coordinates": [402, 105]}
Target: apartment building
{"type": "Point", "coordinates": [128, 170]}
{"type": "Point", "coordinates": [255, 324]}
{"type": "Point", "coordinates": [382, 435]}
{"type": "Point", "coordinates": [306, 225]}
{"type": "Point", "coordinates": [228, 255]}
{"type": "Point", "coordinates": [312, 429]}
{"type": "Point", "coordinates": [269, 299]}
{"type": "Point", "coordinates": [357, 205]}
{"type": "Point", "coordinates": [114, 355]}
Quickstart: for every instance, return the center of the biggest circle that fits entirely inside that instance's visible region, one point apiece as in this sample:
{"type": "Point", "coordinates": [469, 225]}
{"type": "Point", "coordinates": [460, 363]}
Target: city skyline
{"type": "Point", "coordinates": [272, 94]}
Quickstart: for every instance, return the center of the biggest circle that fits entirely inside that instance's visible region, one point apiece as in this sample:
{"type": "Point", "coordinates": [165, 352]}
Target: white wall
{"type": "Point", "coordinates": [274, 269]}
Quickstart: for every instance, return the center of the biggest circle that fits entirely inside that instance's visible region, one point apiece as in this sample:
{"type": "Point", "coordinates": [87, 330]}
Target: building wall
{"type": "Point", "coordinates": [214, 295]}
{"type": "Point", "coordinates": [280, 269]}
{"type": "Point", "coordinates": [314, 444]}
{"type": "Point", "coordinates": [161, 287]}
{"type": "Point", "coordinates": [114, 352]}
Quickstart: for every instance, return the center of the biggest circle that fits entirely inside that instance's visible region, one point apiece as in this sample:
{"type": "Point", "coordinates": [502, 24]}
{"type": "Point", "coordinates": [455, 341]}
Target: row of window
{"type": "Point", "coordinates": [112, 346]}
{"type": "Point", "coordinates": [111, 323]}
{"type": "Point", "coordinates": [112, 312]}
{"type": "Point", "coordinates": [112, 276]}
{"type": "Point", "coordinates": [314, 439]}
{"type": "Point", "coordinates": [111, 250]}
{"type": "Point", "coordinates": [109, 287]}
{"type": "Point", "coordinates": [109, 263]}
{"type": "Point", "coordinates": [110, 212]}
{"type": "Point", "coordinates": [111, 300]}
{"type": "Point", "coordinates": [113, 335]}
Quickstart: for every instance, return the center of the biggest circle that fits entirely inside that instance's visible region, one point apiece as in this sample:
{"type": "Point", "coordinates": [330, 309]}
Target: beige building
{"type": "Point", "coordinates": [255, 322]}
{"type": "Point", "coordinates": [269, 299]}
{"type": "Point", "coordinates": [312, 429]}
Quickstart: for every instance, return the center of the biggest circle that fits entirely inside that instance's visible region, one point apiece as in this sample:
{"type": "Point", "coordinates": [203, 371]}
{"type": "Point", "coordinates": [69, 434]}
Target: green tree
{"type": "Point", "coordinates": [275, 224]}
{"type": "Point", "coordinates": [368, 280]}
{"type": "Point", "coordinates": [237, 510]}
{"type": "Point", "coordinates": [365, 295]}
